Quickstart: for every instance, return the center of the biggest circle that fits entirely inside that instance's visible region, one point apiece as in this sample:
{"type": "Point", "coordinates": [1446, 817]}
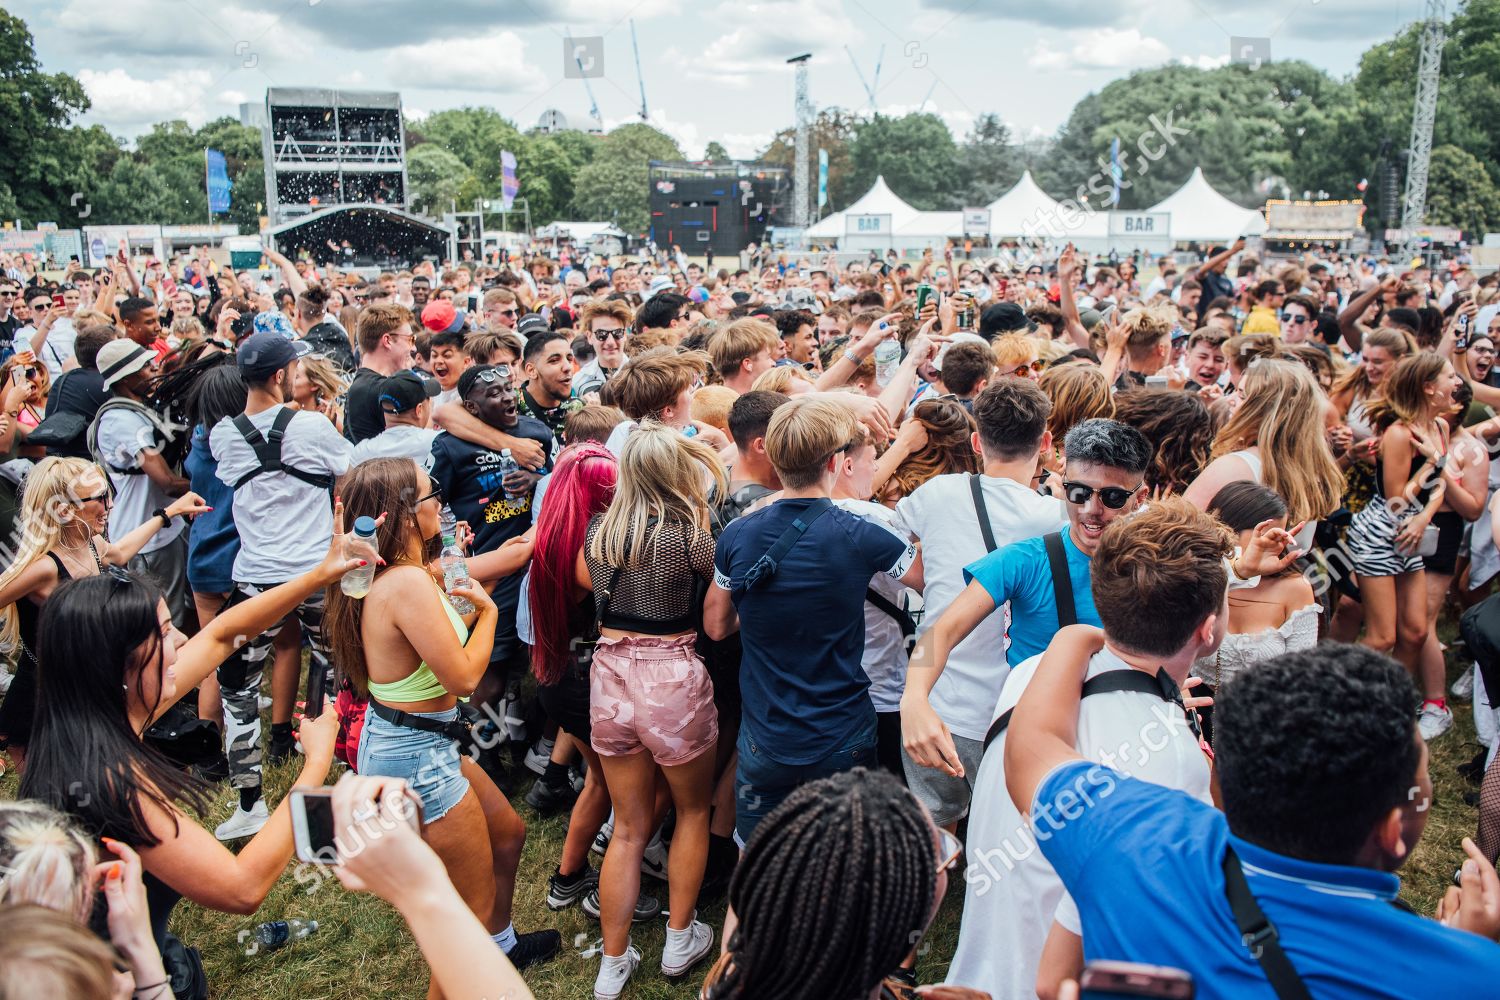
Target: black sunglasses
{"type": "Point", "coordinates": [436, 494]}
{"type": "Point", "coordinates": [1113, 497]}
{"type": "Point", "coordinates": [603, 335]}
{"type": "Point", "coordinates": [96, 498]}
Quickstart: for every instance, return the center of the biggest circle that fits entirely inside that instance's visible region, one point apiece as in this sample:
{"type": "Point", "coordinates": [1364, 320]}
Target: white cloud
{"type": "Point", "coordinates": [479, 63]}
{"type": "Point", "coordinates": [128, 104]}
{"type": "Point", "coordinates": [1105, 48]}
{"type": "Point", "coordinates": [1205, 62]}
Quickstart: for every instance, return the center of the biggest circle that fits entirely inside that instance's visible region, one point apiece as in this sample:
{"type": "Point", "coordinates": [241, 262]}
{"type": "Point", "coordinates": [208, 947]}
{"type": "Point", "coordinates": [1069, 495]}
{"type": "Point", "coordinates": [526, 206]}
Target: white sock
{"type": "Point", "coordinates": [506, 939]}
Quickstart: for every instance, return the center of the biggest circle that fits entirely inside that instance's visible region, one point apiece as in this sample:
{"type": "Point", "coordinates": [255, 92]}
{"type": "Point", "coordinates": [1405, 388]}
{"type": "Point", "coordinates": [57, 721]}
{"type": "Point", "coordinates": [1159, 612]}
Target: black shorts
{"type": "Point", "coordinates": [567, 702]}
{"type": "Point", "coordinates": [1450, 525]}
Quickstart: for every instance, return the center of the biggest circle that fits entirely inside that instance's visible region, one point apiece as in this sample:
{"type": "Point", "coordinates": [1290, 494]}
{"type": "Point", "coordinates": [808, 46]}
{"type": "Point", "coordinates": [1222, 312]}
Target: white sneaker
{"type": "Point", "coordinates": [693, 946]}
{"type": "Point", "coordinates": [654, 861]}
{"type": "Point", "coordinates": [1463, 688]}
{"type": "Point", "coordinates": [1434, 721]}
{"type": "Point", "coordinates": [244, 823]}
{"type": "Point", "coordinates": [538, 756]}
{"type": "Point", "coordinates": [602, 838]}
{"type": "Point", "coordinates": [614, 973]}
{"type": "Point", "coordinates": [263, 702]}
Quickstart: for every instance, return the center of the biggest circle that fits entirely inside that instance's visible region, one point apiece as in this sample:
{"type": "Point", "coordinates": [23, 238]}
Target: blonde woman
{"type": "Point", "coordinates": [1386, 538]}
{"type": "Point", "coordinates": [648, 560]}
{"type": "Point", "coordinates": [1078, 392]}
{"type": "Point", "coordinates": [789, 380]}
{"type": "Point", "coordinates": [1273, 439]}
{"type": "Point", "coordinates": [319, 386]}
{"type": "Point", "coordinates": [65, 506]}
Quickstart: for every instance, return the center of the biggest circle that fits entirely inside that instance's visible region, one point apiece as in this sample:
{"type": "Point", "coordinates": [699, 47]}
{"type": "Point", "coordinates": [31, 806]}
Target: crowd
{"type": "Point", "coordinates": [813, 586]}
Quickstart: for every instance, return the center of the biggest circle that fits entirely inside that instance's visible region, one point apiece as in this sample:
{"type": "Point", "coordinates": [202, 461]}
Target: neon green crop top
{"type": "Point", "coordinates": [421, 684]}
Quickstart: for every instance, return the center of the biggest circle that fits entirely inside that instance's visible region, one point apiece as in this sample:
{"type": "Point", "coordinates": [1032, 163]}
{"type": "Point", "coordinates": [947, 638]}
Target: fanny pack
{"type": "Point", "coordinates": [459, 730]}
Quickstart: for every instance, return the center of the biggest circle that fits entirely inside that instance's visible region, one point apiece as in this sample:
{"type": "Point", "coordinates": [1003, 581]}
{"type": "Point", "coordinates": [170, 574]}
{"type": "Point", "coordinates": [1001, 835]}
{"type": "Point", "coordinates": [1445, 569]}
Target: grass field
{"type": "Point", "coordinates": [362, 950]}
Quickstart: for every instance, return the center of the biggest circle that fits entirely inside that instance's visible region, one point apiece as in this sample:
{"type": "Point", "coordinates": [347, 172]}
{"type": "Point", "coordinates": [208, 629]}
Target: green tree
{"type": "Point", "coordinates": [476, 136]}
{"type": "Point", "coordinates": [37, 177]}
{"type": "Point", "coordinates": [613, 186]}
{"type": "Point", "coordinates": [832, 131]}
{"type": "Point", "coordinates": [988, 164]}
{"type": "Point", "coordinates": [547, 168]}
{"type": "Point", "coordinates": [1460, 192]}
{"type": "Point", "coordinates": [916, 155]}
{"type": "Point", "coordinates": [716, 153]}
{"type": "Point", "coordinates": [434, 177]}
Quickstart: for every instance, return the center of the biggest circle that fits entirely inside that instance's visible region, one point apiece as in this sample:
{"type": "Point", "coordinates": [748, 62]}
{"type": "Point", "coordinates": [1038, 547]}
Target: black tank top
{"type": "Point", "coordinates": [19, 706]}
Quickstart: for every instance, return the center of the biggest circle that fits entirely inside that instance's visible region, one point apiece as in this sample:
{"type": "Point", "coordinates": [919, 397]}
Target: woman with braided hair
{"type": "Point", "coordinates": [834, 891]}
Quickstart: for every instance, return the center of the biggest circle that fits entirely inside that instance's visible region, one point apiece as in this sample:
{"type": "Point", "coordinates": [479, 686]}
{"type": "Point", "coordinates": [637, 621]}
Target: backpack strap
{"type": "Point", "coordinates": [766, 566]}
{"type": "Point", "coordinates": [1259, 934]}
{"type": "Point", "coordinates": [1106, 683]}
{"type": "Point", "coordinates": [268, 451]}
{"type": "Point", "coordinates": [1062, 580]}
{"type": "Point", "coordinates": [91, 437]}
{"type": "Point", "coordinates": [903, 619]}
{"type": "Point", "coordinates": [976, 488]}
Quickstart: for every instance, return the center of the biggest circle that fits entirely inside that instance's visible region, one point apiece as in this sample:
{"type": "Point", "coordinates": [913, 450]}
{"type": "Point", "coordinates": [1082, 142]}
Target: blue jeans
{"type": "Point", "coordinates": [430, 762]}
{"type": "Point", "coordinates": [761, 784]}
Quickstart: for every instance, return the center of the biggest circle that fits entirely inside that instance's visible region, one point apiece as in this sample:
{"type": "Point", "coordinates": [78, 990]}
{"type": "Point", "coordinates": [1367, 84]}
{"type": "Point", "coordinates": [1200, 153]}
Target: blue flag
{"type": "Point", "coordinates": [218, 181]}
{"type": "Point", "coordinates": [509, 186]}
{"type": "Point", "coordinates": [1115, 171]}
{"type": "Point", "coordinates": [822, 177]}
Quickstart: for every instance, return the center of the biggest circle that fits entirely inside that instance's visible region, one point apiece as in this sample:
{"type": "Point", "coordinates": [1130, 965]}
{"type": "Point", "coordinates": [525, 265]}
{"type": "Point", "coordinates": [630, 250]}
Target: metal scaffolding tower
{"type": "Point", "coordinates": [1419, 154]}
{"type": "Point", "coordinates": [800, 153]}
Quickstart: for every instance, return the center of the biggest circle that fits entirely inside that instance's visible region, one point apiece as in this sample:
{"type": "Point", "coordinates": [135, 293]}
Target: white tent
{"type": "Point", "coordinates": [930, 229]}
{"type": "Point", "coordinates": [879, 215]}
{"type": "Point", "coordinates": [1201, 214]}
{"type": "Point", "coordinates": [1024, 211]}
{"type": "Point", "coordinates": [579, 232]}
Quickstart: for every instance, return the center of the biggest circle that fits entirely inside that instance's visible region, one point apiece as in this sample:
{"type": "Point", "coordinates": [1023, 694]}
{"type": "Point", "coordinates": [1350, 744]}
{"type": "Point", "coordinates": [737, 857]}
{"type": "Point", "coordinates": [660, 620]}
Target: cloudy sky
{"type": "Point", "coordinates": [714, 69]}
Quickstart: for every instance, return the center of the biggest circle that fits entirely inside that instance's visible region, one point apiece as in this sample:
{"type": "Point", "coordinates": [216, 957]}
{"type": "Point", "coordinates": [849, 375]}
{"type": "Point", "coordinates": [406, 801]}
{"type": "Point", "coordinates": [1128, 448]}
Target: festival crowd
{"type": "Point", "coordinates": [813, 585]}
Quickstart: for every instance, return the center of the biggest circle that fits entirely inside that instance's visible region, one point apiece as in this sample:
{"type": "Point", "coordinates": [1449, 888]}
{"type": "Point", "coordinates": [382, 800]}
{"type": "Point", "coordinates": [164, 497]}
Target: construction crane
{"type": "Point", "coordinates": [800, 149]}
{"type": "Point", "coordinates": [1424, 113]}
{"type": "Point", "coordinates": [871, 87]}
{"type": "Point", "coordinates": [930, 91]}
{"type": "Point", "coordinates": [584, 76]}
{"type": "Point", "coordinates": [645, 113]}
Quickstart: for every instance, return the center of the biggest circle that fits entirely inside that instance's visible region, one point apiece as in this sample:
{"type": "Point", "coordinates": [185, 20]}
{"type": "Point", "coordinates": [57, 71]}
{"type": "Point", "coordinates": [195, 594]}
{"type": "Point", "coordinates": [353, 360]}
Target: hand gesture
{"type": "Point", "coordinates": [1210, 393]}
{"type": "Point", "coordinates": [1173, 375]}
{"type": "Point", "coordinates": [1340, 439]}
{"type": "Point", "coordinates": [224, 329]}
{"type": "Point", "coordinates": [926, 737]}
{"type": "Point", "coordinates": [912, 436]}
{"type": "Point", "coordinates": [1424, 443]}
{"type": "Point", "coordinates": [1067, 264]}
{"type": "Point", "coordinates": [335, 564]}
{"type": "Point", "coordinates": [397, 861]}
{"type": "Point", "coordinates": [1271, 550]}
{"type": "Point", "coordinates": [1474, 904]}
{"type": "Point", "coordinates": [317, 737]}
{"type": "Point", "coordinates": [476, 595]}
{"type": "Point", "coordinates": [129, 916]}
{"type": "Point", "coordinates": [528, 453]}
{"type": "Point", "coordinates": [882, 329]}
{"type": "Point", "coordinates": [870, 413]}
{"type": "Point", "coordinates": [1115, 338]}
{"type": "Point", "coordinates": [189, 504]}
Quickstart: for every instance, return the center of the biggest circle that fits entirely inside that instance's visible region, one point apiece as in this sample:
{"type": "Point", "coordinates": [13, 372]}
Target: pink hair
{"type": "Point", "coordinates": [582, 485]}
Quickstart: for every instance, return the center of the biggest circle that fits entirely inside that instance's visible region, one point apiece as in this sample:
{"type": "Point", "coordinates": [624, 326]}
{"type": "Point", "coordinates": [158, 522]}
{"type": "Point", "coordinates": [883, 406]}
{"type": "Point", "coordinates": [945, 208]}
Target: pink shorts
{"type": "Point", "coordinates": [651, 694]}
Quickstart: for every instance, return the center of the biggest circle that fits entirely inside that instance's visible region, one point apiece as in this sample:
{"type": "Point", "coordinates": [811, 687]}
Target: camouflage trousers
{"type": "Point", "coordinates": [240, 677]}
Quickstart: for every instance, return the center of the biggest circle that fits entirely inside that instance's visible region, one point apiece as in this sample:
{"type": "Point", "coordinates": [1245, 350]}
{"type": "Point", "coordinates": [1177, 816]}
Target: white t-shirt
{"type": "Point", "coordinates": [1011, 893]}
{"type": "Point", "coordinates": [124, 437]}
{"type": "Point", "coordinates": [284, 524]}
{"type": "Point", "coordinates": [400, 441]}
{"type": "Point", "coordinates": [940, 514]}
{"type": "Point", "coordinates": [885, 657]}
{"type": "Point", "coordinates": [58, 347]}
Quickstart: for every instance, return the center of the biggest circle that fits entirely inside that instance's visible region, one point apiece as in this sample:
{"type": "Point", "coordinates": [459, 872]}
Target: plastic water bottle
{"type": "Point", "coordinates": [275, 934]}
{"type": "Point", "coordinates": [887, 360]}
{"type": "Point", "coordinates": [508, 464]}
{"type": "Point", "coordinates": [455, 572]}
{"type": "Point", "coordinates": [361, 545]}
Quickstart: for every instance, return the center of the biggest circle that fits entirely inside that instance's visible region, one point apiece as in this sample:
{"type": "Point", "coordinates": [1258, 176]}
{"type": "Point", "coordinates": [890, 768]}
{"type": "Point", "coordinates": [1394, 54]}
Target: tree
{"type": "Point", "coordinates": [476, 136]}
{"type": "Point", "coordinates": [916, 156]}
{"type": "Point", "coordinates": [715, 153]}
{"type": "Point", "coordinates": [988, 164]}
{"type": "Point", "coordinates": [613, 186]}
{"type": "Point", "coordinates": [37, 179]}
{"type": "Point", "coordinates": [547, 169]}
{"type": "Point", "coordinates": [1460, 192]}
{"type": "Point", "coordinates": [434, 177]}
{"type": "Point", "coordinates": [832, 131]}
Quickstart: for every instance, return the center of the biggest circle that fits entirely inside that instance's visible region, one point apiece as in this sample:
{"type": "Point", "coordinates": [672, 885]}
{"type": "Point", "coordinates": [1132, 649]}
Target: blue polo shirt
{"type": "Point", "coordinates": [1021, 574]}
{"type": "Point", "coordinates": [1143, 862]}
{"type": "Point", "coordinates": [805, 691]}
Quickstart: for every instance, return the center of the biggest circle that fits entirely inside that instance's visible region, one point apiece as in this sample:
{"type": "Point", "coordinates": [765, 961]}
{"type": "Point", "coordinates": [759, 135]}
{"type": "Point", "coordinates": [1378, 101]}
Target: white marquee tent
{"type": "Point", "coordinates": [1023, 211]}
{"type": "Point", "coordinates": [1201, 214]}
{"type": "Point", "coordinates": [877, 217]}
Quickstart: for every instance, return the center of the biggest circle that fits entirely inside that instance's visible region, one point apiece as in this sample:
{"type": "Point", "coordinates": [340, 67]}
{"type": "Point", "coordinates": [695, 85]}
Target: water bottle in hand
{"type": "Point", "coordinates": [455, 573]}
{"type": "Point", "coordinates": [887, 360]}
{"type": "Point", "coordinates": [508, 465]}
{"type": "Point", "coordinates": [360, 545]}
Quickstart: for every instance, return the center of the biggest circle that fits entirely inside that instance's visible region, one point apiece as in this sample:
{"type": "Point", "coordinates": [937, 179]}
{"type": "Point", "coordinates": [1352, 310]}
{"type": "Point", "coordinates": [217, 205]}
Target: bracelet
{"type": "Point", "coordinates": [166, 519]}
{"type": "Point", "coordinates": [853, 358]}
{"type": "Point", "coordinates": [153, 986]}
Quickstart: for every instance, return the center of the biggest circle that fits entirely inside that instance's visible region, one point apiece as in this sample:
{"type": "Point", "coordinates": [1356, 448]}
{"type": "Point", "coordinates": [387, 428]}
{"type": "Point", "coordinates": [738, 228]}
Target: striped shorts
{"type": "Point", "coordinates": [1372, 543]}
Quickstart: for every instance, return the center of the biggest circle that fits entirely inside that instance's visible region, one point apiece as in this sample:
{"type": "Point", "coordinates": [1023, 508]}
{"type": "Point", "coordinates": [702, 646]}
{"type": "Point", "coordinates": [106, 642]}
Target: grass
{"type": "Point", "coordinates": [362, 950]}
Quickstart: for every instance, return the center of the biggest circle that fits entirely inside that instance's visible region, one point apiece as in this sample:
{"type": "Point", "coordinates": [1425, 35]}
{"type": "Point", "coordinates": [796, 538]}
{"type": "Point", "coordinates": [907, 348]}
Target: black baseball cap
{"type": "Point", "coordinates": [1003, 317]}
{"type": "Point", "coordinates": [405, 391]}
{"type": "Point", "coordinates": [530, 325]}
{"type": "Point", "coordinates": [263, 354]}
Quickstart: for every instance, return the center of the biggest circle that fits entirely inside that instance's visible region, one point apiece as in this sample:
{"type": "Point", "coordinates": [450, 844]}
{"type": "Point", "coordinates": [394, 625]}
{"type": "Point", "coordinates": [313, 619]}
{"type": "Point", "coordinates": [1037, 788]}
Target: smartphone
{"type": "Point", "coordinates": [1110, 980]}
{"type": "Point", "coordinates": [924, 292]}
{"type": "Point", "coordinates": [58, 301]}
{"type": "Point", "coordinates": [1461, 340]}
{"type": "Point", "coordinates": [1156, 381]}
{"type": "Point", "coordinates": [313, 826]}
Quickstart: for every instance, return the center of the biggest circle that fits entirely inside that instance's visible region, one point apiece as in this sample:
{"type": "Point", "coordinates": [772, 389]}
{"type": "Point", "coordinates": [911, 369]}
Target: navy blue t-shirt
{"type": "Point", "coordinates": [803, 631]}
{"type": "Point", "coordinates": [471, 480]}
{"type": "Point", "coordinates": [1143, 863]}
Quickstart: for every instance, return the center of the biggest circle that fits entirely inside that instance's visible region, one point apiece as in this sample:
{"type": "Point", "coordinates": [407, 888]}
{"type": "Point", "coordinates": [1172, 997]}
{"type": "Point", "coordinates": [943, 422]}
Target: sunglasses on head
{"type": "Point", "coordinates": [603, 335]}
{"type": "Point", "coordinates": [1113, 497]}
{"type": "Point", "coordinates": [493, 374]}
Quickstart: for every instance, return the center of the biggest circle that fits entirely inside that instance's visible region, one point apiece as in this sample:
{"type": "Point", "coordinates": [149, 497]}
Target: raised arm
{"type": "Point", "coordinates": [1067, 266]}
{"type": "Point", "coordinates": [1044, 729]}
{"type": "Point", "coordinates": [1349, 326]}
{"type": "Point", "coordinates": [294, 281]}
{"type": "Point", "coordinates": [121, 552]}
{"type": "Point", "coordinates": [453, 418]}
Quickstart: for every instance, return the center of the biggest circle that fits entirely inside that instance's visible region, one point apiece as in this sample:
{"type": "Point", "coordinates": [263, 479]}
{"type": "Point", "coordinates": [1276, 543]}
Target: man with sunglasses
{"type": "Point", "coordinates": [500, 309]}
{"type": "Point", "coordinates": [494, 496]}
{"type": "Point", "coordinates": [1297, 315]}
{"type": "Point", "coordinates": [607, 322]}
{"type": "Point", "coordinates": [10, 293]}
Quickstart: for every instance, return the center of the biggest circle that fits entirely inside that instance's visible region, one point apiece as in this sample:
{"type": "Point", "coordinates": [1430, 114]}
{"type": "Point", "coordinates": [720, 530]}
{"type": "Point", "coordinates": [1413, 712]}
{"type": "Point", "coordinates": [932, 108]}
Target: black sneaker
{"type": "Point", "coordinates": [534, 948]}
{"type": "Point", "coordinates": [548, 800]}
{"type": "Point", "coordinates": [564, 892]}
{"type": "Point", "coordinates": [646, 907]}
{"type": "Point", "coordinates": [280, 751]}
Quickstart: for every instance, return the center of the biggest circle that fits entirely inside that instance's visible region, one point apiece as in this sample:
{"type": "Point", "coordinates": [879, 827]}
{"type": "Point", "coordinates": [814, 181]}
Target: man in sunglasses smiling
{"type": "Point", "coordinates": [606, 322]}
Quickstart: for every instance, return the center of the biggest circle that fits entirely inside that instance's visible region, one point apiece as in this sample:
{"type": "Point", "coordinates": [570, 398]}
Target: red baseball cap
{"type": "Point", "coordinates": [439, 316]}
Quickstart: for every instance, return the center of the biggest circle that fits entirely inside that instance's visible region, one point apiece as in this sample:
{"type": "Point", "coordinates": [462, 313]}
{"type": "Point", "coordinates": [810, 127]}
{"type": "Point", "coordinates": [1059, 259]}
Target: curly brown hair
{"type": "Point", "coordinates": [1178, 426]}
{"type": "Point", "coordinates": [949, 448]}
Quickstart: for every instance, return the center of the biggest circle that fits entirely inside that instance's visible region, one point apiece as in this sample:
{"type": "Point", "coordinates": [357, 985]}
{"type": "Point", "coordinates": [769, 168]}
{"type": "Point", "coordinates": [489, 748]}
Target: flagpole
{"type": "Point", "coordinates": [207, 193]}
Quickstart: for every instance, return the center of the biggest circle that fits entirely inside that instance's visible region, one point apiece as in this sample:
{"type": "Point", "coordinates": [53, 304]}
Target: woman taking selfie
{"type": "Point", "coordinates": [405, 646]}
{"type": "Point", "coordinates": [65, 507]}
{"type": "Point", "coordinates": [648, 560]}
{"type": "Point", "coordinates": [110, 663]}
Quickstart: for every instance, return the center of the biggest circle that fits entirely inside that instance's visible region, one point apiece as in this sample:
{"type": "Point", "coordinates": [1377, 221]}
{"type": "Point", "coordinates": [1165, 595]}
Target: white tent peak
{"type": "Point", "coordinates": [879, 200]}
{"type": "Point", "coordinates": [1201, 213]}
{"type": "Point", "coordinates": [1022, 211]}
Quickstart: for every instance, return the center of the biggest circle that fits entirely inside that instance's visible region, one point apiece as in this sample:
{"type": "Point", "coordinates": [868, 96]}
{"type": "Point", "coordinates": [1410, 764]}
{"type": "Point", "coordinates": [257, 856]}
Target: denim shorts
{"type": "Point", "coordinates": [429, 762]}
